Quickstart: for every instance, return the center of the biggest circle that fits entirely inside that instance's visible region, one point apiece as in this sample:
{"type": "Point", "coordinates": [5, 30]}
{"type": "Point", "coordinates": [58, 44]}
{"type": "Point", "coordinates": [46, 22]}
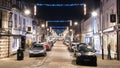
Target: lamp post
{"type": "Point", "coordinates": [76, 25]}
{"type": "Point", "coordinates": [43, 35]}
{"type": "Point", "coordinates": [94, 14]}
{"type": "Point", "coordinates": [9, 30]}
{"type": "Point", "coordinates": [101, 23]}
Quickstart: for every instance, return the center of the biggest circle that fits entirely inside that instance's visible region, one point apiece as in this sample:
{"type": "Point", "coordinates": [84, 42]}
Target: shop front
{"type": "Point", "coordinates": [89, 39]}
{"type": "Point", "coordinates": [15, 44]}
{"type": "Point", "coordinates": [97, 46]}
{"type": "Point", "coordinates": [110, 38]}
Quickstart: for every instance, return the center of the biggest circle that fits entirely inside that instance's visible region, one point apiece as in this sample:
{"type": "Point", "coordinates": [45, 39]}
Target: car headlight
{"type": "Point", "coordinates": [78, 54]}
{"type": "Point", "coordinates": [42, 51]}
{"type": "Point", "coordinates": [31, 51]}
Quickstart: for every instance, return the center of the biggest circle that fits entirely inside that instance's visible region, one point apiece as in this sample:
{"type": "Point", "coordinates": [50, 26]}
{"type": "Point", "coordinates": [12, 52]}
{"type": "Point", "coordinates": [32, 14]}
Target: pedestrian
{"type": "Point", "coordinates": [109, 51]}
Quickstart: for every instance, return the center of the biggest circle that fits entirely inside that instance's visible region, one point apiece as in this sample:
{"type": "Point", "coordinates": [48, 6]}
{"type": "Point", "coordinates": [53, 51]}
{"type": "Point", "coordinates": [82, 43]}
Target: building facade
{"type": "Point", "coordinates": [101, 31]}
{"type": "Point", "coordinates": [16, 29]}
{"type": "Point", "coordinates": [4, 17]}
{"type": "Point", "coordinates": [90, 32]}
{"type": "Point", "coordinates": [109, 7]}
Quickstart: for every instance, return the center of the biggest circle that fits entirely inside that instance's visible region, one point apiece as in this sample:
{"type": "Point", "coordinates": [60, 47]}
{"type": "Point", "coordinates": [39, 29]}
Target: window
{"type": "Point", "coordinates": [24, 25]}
{"type": "Point", "coordinates": [113, 18]}
{"type": "Point", "coordinates": [29, 28]}
{"type": "Point", "coordinates": [15, 20]}
{"type": "Point", "coordinates": [0, 19]}
{"type": "Point", "coordinates": [5, 3]}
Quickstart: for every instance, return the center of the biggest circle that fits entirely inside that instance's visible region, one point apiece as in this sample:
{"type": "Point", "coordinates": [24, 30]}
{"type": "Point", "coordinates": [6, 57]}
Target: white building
{"type": "Point", "coordinates": [109, 33]}
{"type": "Point", "coordinates": [90, 31]}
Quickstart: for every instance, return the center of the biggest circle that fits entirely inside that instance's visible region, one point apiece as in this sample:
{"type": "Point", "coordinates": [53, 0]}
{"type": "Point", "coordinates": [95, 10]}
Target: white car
{"type": "Point", "coordinates": [37, 50]}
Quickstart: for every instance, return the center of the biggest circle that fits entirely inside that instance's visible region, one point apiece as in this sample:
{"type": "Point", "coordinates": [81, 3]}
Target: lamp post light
{"type": "Point", "coordinates": [43, 31]}
{"type": "Point", "coordinates": [77, 31]}
{"type": "Point", "coordinates": [94, 14]}
{"type": "Point", "coordinates": [76, 23]}
{"type": "Point", "coordinates": [27, 12]}
{"type": "Point", "coordinates": [42, 25]}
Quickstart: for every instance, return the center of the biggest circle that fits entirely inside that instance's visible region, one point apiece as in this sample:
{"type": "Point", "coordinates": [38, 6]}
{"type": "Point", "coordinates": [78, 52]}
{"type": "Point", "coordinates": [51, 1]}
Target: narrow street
{"type": "Point", "coordinates": [58, 57]}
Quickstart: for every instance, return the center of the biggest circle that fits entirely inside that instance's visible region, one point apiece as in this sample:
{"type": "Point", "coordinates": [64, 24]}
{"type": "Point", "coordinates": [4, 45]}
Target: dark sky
{"type": "Point", "coordinates": [55, 13]}
{"type": "Point", "coordinates": [67, 13]}
{"type": "Point", "coordinates": [64, 13]}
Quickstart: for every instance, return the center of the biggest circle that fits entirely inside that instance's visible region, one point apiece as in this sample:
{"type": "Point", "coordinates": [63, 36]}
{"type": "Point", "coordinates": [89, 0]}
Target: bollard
{"type": "Point", "coordinates": [20, 54]}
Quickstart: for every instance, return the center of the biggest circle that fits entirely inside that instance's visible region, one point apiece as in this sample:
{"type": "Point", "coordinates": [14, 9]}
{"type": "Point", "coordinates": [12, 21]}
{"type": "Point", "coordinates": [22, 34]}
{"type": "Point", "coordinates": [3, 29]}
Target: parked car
{"type": "Point", "coordinates": [66, 42]}
{"type": "Point", "coordinates": [86, 55]}
{"type": "Point", "coordinates": [37, 50]}
{"type": "Point", "coordinates": [76, 48]}
{"type": "Point", "coordinates": [48, 46]}
{"type": "Point", "coordinates": [73, 46]}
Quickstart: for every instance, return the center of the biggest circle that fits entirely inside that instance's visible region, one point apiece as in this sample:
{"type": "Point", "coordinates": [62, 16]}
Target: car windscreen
{"type": "Point", "coordinates": [85, 49]}
{"type": "Point", "coordinates": [75, 44]}
{"type": "Point", "coordinates": [37, 47]}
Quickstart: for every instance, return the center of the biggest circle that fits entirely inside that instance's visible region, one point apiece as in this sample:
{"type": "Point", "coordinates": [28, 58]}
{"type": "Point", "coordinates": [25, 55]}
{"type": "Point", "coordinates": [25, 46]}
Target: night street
{"type": "Point", "coordinates": [59, 57]}
{"type": "Point", "coordinates": [59, 33]}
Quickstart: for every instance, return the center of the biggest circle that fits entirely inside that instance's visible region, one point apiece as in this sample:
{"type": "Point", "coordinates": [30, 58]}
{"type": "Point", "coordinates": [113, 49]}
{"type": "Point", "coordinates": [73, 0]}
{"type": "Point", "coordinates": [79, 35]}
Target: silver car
{"type": "Point", "coordinates": [37, 50]}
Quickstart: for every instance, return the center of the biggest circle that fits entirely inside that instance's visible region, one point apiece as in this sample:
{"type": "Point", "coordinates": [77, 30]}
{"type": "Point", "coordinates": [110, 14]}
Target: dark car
{"type": "Point", "coordinates": [86, 55]}
{"type": "Point", "coordinates": [37, 50]}
{"type": "Point", "coordinates": [77, 47]}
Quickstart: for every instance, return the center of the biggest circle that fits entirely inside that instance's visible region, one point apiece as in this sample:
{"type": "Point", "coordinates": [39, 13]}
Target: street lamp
{"type": "Point", "coordinates": [76, 23]}
{"type": "Point", "coordinates": [27, 12]}
{"type": "Point", "coordinates": [94, 14]}
{"type": "Point", "coordinates": [42, 25]}
{"type": "Point", "coordinates": [76, 27]}
{"type": "Point", "coordinates": [43, 32]}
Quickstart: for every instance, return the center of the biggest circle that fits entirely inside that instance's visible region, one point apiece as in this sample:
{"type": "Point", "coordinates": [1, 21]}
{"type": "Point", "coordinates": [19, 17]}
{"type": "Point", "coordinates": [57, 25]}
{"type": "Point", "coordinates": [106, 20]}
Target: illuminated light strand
{"type": "Point", "coordinates": [59, 26]}
{"type": "Point", "coordinates": [60, 5]}
{"type": "Point", "coordinates": [59, 21]}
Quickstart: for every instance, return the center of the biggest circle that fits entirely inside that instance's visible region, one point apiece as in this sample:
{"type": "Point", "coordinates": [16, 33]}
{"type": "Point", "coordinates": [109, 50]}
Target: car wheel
{"type": "Point", "coordinates": [95, 64]}
{"type": "Point", "coordinates": [30, 55]}
{"type": "Point", "coordinates": [75, 55]}
{"type": "Point", "coordinates": [45, 54]}
{"type": "Point", "coordinates": [77, 61]}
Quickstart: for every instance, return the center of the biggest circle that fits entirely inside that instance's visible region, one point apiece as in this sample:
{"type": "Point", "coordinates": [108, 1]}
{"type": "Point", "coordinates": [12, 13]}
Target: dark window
{"type": "Point", "coordinates": [24, 25]}
{"type": "Point", "coordinates": [29, 28]}
{"type": "Point", "coordinates": [113, 18]}
{"type": "Point", "coordinates": [0, 19]}
{"type": "Point", "coordinates": [15, 20]}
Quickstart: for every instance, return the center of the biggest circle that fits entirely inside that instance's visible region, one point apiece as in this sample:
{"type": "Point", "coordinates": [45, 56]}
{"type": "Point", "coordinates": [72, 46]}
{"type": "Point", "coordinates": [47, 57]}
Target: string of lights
{"type": "Point", "coordinates": [60, 5]}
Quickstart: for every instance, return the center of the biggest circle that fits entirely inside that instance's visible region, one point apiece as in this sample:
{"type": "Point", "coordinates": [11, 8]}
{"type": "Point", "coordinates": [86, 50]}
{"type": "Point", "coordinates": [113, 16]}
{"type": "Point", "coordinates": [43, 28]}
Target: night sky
{"type": "Point", "coordinates": [65, 13]}
{"type": "Point", "coordinates": [74, 13]}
